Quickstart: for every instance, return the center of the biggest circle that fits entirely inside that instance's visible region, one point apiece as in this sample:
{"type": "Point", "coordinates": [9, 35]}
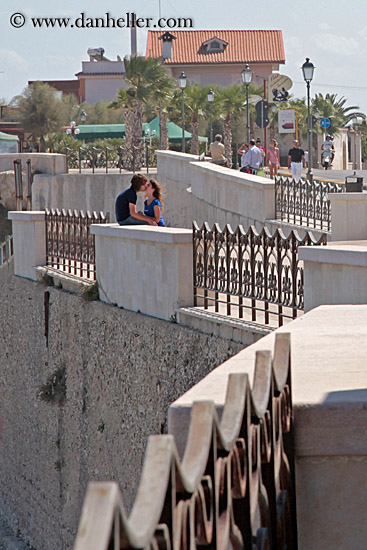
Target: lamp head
{"type": "Point", "coordinates": [307, 70]}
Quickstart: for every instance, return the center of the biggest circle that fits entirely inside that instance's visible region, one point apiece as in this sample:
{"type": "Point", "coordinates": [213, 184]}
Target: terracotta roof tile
{"type": "Point", "coordinates": [263, 46]}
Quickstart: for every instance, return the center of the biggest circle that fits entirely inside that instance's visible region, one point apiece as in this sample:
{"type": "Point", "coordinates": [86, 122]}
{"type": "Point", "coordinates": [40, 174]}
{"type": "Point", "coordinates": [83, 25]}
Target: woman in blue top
{"type": "Point", "coordinates": [153, 205]}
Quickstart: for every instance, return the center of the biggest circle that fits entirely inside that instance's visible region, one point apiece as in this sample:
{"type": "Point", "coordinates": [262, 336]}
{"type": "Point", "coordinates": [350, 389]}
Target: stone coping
{"type": "Point", "coordinates": [348, 196]}
{"type": "Point", "coordinates": [176, 155]}
{"type": "Point", "coordinates": [164, 235]}
{"type": "Point", "coordinates": [352, 253]}
{"type": "Point", "coordinates": [234, 176]}
{"type": "Point", "coordinates": [27, 215]}
{"type": "Point", "coordinates": [329, 379]}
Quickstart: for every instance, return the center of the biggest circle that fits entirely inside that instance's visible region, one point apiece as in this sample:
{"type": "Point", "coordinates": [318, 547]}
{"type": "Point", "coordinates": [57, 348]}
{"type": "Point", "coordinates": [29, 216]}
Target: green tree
{"type": "Point", "coordinates": [40, 111]}
{"type": "Point", "coordinates": [334, 108]}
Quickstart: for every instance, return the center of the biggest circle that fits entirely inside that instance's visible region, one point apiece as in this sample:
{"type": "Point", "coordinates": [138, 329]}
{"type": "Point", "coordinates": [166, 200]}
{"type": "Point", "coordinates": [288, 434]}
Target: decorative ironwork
{"type": "Point", "coordinates": [6, 249]}
{"type": "Point", "coordinates": [304, 202]}
{"type": "Point", "coordinates": [234, 487]}
{"type": "Point", "coordinates": [235, 271]}
{"type": "Point", "coordinates": [69, 242]}
{"type": "Point", "coordinates": [107, 158]}
{"type": "Point", "coordinates": [93, 158]}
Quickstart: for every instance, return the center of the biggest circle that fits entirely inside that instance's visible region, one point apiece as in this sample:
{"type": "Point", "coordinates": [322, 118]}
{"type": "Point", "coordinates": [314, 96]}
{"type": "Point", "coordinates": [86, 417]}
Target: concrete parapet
{"type": "Point", "coordinates": [144, 269]}
{"type": "Point", "coordinates": [47, 163]}
{"type": "Point", "coordinates": [329, 380]}
{"type": "Point", "coordinates": [217, 194]}
{"type": "Point", "coordinates": [29, 241]}
{"type": "Point", "coordinates": [348, 216]}
{"type": "Point", "coordinates": [335, 274]}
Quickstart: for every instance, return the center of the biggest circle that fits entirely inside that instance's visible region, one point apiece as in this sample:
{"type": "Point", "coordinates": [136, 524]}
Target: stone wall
{"type": "Point", "coordinates": [122, 371]}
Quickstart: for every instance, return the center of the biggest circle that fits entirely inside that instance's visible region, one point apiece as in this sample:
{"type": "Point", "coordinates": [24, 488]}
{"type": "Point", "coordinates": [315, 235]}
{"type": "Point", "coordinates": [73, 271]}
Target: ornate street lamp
{"type": "Point", "coordinates": [73, 130]}
{"type": "Point", "coordinates": [83, 117]}
{"type": "Point", "coordinates": [307, 70]}
{"type": "Point", "coordinates": [246, 74]}
{"type": "Point", "coordinates": [210, 96]}
{"type": "Point", "coordinates": [182, 81]}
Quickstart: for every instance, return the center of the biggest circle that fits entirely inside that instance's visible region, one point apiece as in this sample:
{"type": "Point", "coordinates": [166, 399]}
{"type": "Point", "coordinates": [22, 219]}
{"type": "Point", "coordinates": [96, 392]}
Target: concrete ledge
{"type": "Point", "coordinates": [341, 252]}
{"type": "Point", "coordinates": [238, 330]}
{"type": "Point", "coordinates": [66, 281]}
{"type": "Point", "coordinates": [167, 235]}
{"type": "Point", "coordinates": [344, 197]}
{"type": "Point", "coordinates": [235, 176]}
{"type": "Point", "coordinates": [27, 216]}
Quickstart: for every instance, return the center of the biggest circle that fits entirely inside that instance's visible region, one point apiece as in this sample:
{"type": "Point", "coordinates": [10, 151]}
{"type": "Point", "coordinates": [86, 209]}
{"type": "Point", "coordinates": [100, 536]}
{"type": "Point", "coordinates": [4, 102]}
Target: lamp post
{"type": "Point", "coordinates": [83, 117]}
{"type": "Point", "coordinates": [73, 130]}
{"type": "Point", "coordinates": [355, 128]}
{"type": "Point", "coordinates": [211, 99]}
{"type": "Point", "coordinates": [308, 69]}
{"type": "Point", "coordinates": [246, 74]}
{"type": "Point", "coordinates": [182, 81]}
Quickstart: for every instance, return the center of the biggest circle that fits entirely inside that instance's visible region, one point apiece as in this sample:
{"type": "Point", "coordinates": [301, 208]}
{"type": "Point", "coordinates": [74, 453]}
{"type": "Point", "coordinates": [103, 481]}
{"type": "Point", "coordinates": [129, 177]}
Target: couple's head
{"type": "Point", "coordinates": [140, 183]}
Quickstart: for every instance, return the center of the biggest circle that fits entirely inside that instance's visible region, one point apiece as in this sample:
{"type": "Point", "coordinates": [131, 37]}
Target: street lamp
{"type": "Point", "coordinates": [83, 117]}
{"type": "Point", "coordinates": [246, 74]}
{"type": "Point", "coordinates": [211, 99]}
{"type": "Point", "coordinates": [73, 130]}
{"type": "Point", "coordinates": [355, 128]}
{"type": "Point", "coordinates": [182, 81]}
{"type": "Point", "coordinates": [307, 70]}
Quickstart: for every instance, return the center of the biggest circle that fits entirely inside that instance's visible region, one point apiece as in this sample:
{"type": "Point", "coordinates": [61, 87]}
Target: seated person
{"type": "Point", "coordinates": [125, 207]}
{"type": "Point", "coordinates": [217, 152]}
{"type": "Point", "coordinates": [153, 205]}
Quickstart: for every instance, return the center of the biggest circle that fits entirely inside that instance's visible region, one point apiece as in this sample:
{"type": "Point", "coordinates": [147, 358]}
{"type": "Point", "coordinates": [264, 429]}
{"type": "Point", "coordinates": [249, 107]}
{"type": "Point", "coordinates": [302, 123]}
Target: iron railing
{"type": "Point", "coordinates": [239, 271]}
{"type": "Point", "coordinates": [6, 249]}
{"type": "Point", "coordinates": [106, 158]}
{"type": "Point", "coordinates": [304, 203]}
{"type": "Point", "coordinates": [69, 242]}
{"type": "Point", "coordinates": [94, 158]}
{"type": "Point", "coordinates": [234, 487]}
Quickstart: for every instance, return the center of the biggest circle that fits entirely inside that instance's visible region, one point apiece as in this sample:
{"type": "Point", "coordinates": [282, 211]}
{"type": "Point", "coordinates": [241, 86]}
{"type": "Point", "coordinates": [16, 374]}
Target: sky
{"type": "Point", "coordinates": [332, 34]}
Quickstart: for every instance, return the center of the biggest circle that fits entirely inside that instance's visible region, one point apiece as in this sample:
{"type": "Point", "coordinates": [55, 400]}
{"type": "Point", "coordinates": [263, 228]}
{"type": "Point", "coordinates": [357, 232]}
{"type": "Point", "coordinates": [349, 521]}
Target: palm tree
{"type": "Point", "coordinates": [232, 102]}
{"type": "Point", "coordinates": [334, 108]}
{"type": "Point", "coordinates": [144, 76]}
{"type": "Point", "coordinates": [158, 104]}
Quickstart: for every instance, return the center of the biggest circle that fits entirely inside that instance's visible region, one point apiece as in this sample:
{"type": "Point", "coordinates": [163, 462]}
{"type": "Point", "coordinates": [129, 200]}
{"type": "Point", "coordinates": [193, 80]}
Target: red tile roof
{"type": "Point", "coordinates": [243, 47]}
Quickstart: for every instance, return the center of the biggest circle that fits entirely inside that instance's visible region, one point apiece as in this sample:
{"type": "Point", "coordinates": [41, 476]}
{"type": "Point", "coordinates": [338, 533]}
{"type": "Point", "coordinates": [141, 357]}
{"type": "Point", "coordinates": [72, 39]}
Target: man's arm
{"type": "Point", "coordinates": [289, 161]}
{"type": "Point", "coordinates": [139, 215]}
{"type": "Point", "coordinates": [303, 161]}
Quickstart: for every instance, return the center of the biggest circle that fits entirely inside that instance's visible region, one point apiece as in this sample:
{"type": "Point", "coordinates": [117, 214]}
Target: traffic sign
{"type": "Point", "coordinates": [262, 108]}
{"type": "Point", "coordinates": [325, 122]}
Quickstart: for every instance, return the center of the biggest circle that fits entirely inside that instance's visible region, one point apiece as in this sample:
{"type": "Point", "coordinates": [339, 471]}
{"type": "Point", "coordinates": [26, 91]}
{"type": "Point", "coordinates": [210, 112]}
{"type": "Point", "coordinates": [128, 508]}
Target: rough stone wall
{"type": "Point", "coordinates": [122, 369]}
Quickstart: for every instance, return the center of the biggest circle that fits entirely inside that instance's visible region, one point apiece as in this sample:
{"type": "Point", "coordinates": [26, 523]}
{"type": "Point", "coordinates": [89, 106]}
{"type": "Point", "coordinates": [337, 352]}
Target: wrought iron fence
{"type": "Point", "coordinates": [107, 158]}
{"type": "Point", "coordinates": [93, 158]}
{"type": "Point", "coordinates": [239, 271]}
{"type": "Point", "coordinates": [304, 202]}
{"type": "Point", "coordinates": [234, 487]}
{"type": "Point", "coordinates": [6, 249]}
{"type": "Point", "coordinates": [69, 242]}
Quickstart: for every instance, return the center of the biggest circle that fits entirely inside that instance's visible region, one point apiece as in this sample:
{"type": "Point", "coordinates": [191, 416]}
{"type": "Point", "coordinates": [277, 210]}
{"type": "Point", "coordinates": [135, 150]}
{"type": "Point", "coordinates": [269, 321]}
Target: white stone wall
{"type": "Point", "coordinates": [146, 269]}
{"type": "Point", "coordinates": [348, 216]}
{"type": "Point", "coordinates": [47, 163]}
{"type": "Point", "coordinates": [334, 274]}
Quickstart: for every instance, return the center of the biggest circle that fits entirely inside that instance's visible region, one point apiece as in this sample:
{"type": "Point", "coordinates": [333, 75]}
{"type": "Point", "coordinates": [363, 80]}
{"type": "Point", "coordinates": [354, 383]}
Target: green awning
{"type": "Point", "coordinates": [100, 131]}
{"type": "Point", "coordinates": [174, 131]}
{"type": "Point", "coordinates": [7, 137]}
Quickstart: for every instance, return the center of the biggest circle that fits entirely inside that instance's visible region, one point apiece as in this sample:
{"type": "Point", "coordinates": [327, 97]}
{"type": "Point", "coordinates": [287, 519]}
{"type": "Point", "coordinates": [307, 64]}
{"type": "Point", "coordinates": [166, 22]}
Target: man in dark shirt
{"type": "Point", "coordinates": [296, 158]}
{"type": "Point", "coordinates": [125, 208]}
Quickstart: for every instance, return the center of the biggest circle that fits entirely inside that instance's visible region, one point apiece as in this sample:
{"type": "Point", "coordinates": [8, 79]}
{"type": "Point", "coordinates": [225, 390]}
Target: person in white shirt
{"type": "Point", "coordinates": [328, 146]}
{"type": "Point", "coordinates": [254, 157]}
